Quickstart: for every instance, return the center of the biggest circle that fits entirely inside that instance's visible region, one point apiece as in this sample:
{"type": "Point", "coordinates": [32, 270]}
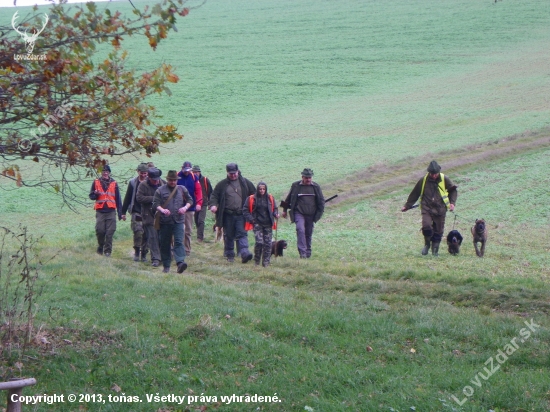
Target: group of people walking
{"type": "Point", "coordinates": [163, 213]}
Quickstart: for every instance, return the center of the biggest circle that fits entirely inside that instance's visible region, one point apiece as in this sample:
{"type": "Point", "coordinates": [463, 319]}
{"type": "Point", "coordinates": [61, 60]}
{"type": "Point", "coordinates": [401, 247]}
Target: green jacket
{"type": "Point", "coordinates": [292, 200]}
{"type": "Point", "coordinates": [179, 200]}
{"type": "Point", "coordinates": [218, 196]}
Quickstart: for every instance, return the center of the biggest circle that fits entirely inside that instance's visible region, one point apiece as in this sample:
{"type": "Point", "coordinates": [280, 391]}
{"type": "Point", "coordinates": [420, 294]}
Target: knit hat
{"type": "Point", "coordinates": [433, 167]}
{"type": "Point", "coordinates": [232, 168]}
{"type": "Point", "coordinates": [154, 173]}
{"type": "Point", "coordinates": [172, 175]}
{"type": "Point", "coordinates": [142, 167]}
{"type": "Point", "coordinates": [196, 168]}
{"type": "Point", "coordinates": [106, 168]}
{"type": "Point", "coordinates": [307, 172]}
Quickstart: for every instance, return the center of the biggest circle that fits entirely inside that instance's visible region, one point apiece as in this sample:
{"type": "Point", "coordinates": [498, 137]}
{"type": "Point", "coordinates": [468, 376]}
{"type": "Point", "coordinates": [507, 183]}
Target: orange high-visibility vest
{"type": "Point", "coordinates": [247, 225]}
{"type": "Point", "coordinates": [105, 197]}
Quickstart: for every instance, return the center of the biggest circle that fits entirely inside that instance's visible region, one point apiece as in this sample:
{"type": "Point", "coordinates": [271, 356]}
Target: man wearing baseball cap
{"type": "Point", "coordinates": [187, 179]}
{"type": "Point", "coordinates": [206, 187]}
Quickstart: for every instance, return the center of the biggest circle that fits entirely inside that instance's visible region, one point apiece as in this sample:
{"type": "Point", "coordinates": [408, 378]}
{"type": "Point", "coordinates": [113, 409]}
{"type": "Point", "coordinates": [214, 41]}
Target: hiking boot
{"type": "Point", "coordinates": [247, 258]}
{"type": "Point", "coordinates": [426, 248]}
{"type": "Point", "coordinates": [181, 267]}
{"type": "Point", "coordinates": [435, 248]}
{"type": "Point", "coordinates": [107, 254]}
{"type": "Point", "coordinates": [143, 256]}
{"type": "Point", "coordinates": [166, 269]}
{"type": "Point", "coordinates": [155, 263]}
{"type": "Point", "coordinates": [136, 254]}
{"type": "Point", "coordinates": [100, 250]}
{"type": "Point", "coordinates": [230, 259]}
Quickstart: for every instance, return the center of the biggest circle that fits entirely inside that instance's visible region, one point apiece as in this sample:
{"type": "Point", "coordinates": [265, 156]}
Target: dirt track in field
{"type": "Point", "coordinates": [382, 179]}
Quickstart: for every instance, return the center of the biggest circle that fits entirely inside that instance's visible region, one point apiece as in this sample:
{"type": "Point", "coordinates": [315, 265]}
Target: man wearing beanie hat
{"type": "Point", "coordinates": [106, 195]}
{"type": "Point", "coordinates": [145, 196]}
{"type": "Point", "coordinates": [206, 188]}
{"type": "Point", "coordinates": [227, 201]}
{"type": "Point", "coordinates": [437, 194]}
{"type": "Point", "coordinates": [140, 238]}
{"type": "Point", "coordinates": [307, 205]}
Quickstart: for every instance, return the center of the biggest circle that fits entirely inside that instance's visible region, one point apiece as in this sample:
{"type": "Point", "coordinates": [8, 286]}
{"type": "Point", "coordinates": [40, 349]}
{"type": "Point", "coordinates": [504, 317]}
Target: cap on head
{"type": "Point", "coordinates": [154, 173]}
{"type": "Point", "coordinates": [433, 167]}
{"type": "Point", "coordinates": [142, 167]}
{"type": "Point", "coordinates": [196, 168]}
{"type": "Point", "coordinates": [232, 168]}
{"type": "Point", "coordinates": [186, 166]}
{"type": "Point", "coordinates": [172, 175]}
{"type": "Point", "coordinates": [307, 172]}
{"type": "Point", "coordinates": [150, 164]}
{"type": "Point", "coordinates": [107, 168]}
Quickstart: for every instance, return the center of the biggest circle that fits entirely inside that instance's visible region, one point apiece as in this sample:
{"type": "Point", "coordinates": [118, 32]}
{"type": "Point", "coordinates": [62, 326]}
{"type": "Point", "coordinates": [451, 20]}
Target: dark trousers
{"type": "Point", "coordinates": [105, 227]}
{"type": "Point", "coordinates": [304, 233]}
{"type": "Point", "coordinates": [165, 239]}
{"type": "Point", "coordinates": [200, 218]}
{"type": "Point", "coordinates": [233, 231]}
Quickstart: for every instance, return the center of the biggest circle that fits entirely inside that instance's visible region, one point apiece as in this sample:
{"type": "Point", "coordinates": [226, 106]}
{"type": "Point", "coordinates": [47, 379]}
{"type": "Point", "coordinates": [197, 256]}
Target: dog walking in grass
{"type": "Point", "coordinates": [277, 247]}
{"type": "Point", "coordinates": [454, 240]}
{"type": "Point", "coordinates": [218, 233]}
{"type": "Point", "coordinates": [479, 232]}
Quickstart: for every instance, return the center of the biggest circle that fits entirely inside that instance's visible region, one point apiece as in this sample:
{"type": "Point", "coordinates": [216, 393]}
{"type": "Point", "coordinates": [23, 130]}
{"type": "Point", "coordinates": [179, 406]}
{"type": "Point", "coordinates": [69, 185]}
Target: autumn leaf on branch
{"type": "Point", "coordinates": [70, 114]}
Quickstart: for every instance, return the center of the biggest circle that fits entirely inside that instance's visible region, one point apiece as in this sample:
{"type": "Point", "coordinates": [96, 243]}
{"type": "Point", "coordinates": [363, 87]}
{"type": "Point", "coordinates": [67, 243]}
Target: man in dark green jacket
{"type": "Point", "coordinates": [131, 205]}
{"type": "Point", "coordinates": [306, 204]}
{"type": "Point", "coordinates": [172, 207]}
{"type": "Point", "coordinates": [437, 195]}
{"type": "Point", "coordinates": [145, 196]}
{"type": "Point", "coordinates": [227, 203]}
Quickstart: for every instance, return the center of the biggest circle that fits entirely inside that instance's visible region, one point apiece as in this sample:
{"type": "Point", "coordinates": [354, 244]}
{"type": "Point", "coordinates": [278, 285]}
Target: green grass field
{"type": "Point", "coordinates": [366, 94]}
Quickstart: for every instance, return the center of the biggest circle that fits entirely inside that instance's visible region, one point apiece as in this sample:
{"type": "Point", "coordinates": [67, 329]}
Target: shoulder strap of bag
{"type": "Point", "coordinates": [170, 197]}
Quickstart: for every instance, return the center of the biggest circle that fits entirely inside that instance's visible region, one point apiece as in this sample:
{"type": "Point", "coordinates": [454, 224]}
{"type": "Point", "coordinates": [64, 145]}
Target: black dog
{"type": "Point", "coordinates": [454, 240]}
{"type": "Point", "coordinates": [278, 247]}
{"type": "Point", "coordinates": [479, 232]}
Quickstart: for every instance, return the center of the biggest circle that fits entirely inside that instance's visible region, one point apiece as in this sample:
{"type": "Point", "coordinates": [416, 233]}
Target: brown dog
{"type": "Point", "coordinates": [479, 232]}
{"type": "Point", "coordinates": [218, 233]}
{"type": "Point", "coordinates": [278, 247]}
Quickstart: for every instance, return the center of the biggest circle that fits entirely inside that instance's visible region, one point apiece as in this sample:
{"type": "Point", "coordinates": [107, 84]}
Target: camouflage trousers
{"type": "Point", "coordinates": [140, 237]}
{"type": "Point", "coordinates": [262, 248]}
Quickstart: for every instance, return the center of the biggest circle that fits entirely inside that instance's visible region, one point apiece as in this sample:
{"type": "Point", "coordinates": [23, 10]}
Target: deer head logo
{"type": "Point", "coordinates": [29, 39]}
